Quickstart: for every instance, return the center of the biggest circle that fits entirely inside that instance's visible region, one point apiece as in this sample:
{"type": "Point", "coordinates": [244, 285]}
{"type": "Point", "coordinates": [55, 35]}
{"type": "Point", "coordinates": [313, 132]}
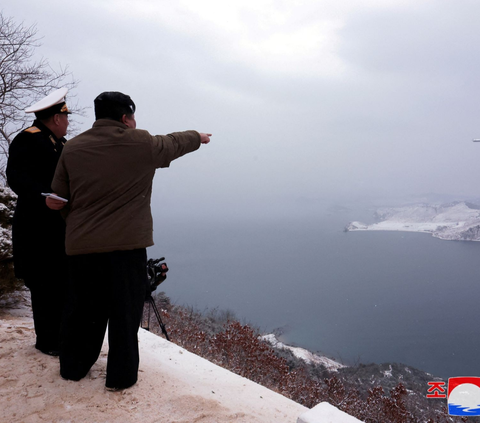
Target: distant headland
{"type": "Point", "coordinates": [456, 221]}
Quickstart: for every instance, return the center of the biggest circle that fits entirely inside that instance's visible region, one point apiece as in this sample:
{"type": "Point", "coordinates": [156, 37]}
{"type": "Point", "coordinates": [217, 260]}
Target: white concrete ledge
{"type": "Point", "coordinates": [326, 413]}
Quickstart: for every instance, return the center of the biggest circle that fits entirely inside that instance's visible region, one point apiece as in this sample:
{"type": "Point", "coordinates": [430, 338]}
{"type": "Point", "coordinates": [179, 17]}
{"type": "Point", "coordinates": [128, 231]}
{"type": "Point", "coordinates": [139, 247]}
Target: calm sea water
{"type": "Point", "coordinates": [356, 297]}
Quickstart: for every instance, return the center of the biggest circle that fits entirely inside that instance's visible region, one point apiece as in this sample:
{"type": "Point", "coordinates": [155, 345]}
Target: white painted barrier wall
{"type": "Point", "coordinates": [326, 413]}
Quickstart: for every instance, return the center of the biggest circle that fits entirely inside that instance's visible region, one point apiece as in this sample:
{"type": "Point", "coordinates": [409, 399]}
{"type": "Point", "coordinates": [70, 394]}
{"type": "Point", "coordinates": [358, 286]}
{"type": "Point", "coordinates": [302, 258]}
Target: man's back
{"type": "Point", "coordinates": [106, 173]}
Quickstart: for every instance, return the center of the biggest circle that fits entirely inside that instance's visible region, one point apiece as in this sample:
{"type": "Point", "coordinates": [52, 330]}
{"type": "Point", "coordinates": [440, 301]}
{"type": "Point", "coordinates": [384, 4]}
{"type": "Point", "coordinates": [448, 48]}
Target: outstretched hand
{"type": "Point", "coordinates": [205, 138]}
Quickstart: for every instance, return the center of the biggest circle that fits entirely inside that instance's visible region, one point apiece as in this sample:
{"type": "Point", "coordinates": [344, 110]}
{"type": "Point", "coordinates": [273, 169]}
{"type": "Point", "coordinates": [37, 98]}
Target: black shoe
{"type": "Point", "coordinates": [73, 378]}
{"type": "Point", "coordinates": [67, 378]}
{"type": "Point", "coordinates": [116, 388]}
{"type": "Point", "coordinates": [52, 352]}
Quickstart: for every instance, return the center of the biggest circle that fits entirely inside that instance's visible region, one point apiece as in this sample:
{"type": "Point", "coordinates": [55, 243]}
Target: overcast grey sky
{"type": "Point", "coordinates": [306, 99]}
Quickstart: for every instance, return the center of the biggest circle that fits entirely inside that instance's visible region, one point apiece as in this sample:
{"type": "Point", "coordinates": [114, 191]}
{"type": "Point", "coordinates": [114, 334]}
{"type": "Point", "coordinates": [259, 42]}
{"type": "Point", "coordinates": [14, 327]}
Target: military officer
{"type": "Point", "coordinates": [39, 232]}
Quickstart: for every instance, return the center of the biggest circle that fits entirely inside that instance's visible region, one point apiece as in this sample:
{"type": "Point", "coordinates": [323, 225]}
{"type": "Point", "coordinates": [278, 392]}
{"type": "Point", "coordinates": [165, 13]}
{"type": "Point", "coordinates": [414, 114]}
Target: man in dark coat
{"type": "Point", "coordinates": [106, 173]}
{"type": "Point", "coordinates": [38, 232]}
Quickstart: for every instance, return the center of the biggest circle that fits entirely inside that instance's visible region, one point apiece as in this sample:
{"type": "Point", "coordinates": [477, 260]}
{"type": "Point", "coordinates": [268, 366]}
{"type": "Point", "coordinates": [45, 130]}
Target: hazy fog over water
{"type": "Point", "coordinates": [305, 98]}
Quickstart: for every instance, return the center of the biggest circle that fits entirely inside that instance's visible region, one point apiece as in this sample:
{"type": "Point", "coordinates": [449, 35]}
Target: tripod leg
{"type": "Point", "coordinates": [148, 324]}
{"type": "Point", "coordinates": [151, 302]}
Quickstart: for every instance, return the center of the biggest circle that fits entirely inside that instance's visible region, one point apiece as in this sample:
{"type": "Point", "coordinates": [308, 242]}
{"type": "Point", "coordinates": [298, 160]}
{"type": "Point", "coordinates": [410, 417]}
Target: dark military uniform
{"type": "Point", "coordinates": [38, 232]}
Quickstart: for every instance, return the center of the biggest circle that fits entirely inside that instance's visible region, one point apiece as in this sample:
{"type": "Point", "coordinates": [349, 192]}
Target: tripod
{"type": "Point", "coordinates": [151, 304]}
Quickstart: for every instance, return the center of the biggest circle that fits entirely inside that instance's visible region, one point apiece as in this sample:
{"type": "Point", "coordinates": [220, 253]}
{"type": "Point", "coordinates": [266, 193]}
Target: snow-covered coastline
{"type": "Point", "coordinates": [304, 354]}
{"type": "Point", "coordinates": [458, 221]}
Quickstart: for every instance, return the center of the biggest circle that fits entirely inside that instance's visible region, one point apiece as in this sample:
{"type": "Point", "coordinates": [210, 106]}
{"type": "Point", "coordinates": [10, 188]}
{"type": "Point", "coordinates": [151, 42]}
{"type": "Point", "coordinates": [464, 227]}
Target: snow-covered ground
{"type": "Point", "coordinates": [457, 221]}
{"type": "Point", "coordinates": [174, 386]}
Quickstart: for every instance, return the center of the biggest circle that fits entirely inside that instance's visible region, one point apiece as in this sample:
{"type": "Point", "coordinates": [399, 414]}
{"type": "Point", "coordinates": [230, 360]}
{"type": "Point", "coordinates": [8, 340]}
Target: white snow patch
{"type": "Point", "coordinates": [388, 373]}
{"type": "Point", "coordinates": [304, 354]}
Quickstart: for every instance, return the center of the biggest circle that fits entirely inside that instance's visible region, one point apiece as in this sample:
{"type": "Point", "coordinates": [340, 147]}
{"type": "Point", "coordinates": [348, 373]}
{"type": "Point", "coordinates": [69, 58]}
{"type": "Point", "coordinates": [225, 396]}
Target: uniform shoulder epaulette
{"type": "Point", "coordinates": [32, 130]}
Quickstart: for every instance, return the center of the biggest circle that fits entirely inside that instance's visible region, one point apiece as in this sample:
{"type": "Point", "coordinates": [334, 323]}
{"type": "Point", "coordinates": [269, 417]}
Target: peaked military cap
{"type": "Point", "coordinates": [50, 105]}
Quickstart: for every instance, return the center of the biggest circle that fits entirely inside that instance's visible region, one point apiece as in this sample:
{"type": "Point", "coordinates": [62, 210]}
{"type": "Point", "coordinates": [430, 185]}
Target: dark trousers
{"type": "Point", "coordinates": [105, 288]}
{"type": "Point", "coordinates": [47, 291]}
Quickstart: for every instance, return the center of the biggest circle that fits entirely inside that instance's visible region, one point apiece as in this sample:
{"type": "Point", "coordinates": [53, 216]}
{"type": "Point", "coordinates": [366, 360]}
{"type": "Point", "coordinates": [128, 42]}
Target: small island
{"type": "Point", "coordinates": [457, 221]}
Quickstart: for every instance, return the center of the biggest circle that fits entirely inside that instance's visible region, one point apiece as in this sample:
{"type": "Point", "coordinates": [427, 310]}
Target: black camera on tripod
{"type": "Point", "coordinates": [156, 273]}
